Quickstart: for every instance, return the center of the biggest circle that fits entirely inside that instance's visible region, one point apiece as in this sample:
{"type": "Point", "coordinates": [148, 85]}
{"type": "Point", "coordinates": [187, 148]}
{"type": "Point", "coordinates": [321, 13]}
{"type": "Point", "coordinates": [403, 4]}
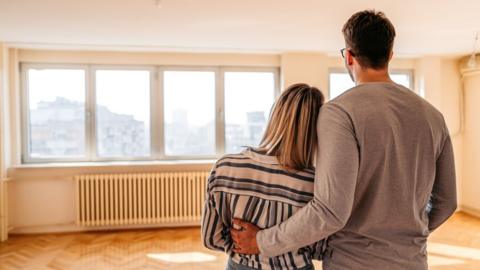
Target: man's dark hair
{"type": "Point", "coordinates": [369, 36]}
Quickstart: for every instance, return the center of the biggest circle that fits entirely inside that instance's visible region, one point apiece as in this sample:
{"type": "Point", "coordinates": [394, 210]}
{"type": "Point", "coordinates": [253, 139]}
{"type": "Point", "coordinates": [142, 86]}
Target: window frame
{"type": "Point", "coordinates": [157, 109]}
{"type": "Point", "coordinates": [217, 102]}
{"type": "Point", "coordinates": [400, 71]}
{"type": "Point", "coordinates": [409, 72]}
{"type": "Point", "coordinates": [93, 112]}
{"type": "Point", "coordinates": [25, 113]}
{"type": "Point", "coordinates": [276, 90]}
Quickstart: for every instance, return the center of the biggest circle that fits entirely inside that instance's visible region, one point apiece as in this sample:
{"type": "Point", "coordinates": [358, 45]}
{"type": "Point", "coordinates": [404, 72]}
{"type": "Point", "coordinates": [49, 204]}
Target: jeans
{"type": "Point", "coordinates": [231, 265]}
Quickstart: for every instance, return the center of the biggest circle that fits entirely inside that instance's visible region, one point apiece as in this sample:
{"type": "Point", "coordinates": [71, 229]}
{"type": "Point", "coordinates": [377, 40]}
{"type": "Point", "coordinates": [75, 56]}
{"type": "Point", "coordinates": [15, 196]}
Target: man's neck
{"type": "Point", "coordinates": [373, 75]}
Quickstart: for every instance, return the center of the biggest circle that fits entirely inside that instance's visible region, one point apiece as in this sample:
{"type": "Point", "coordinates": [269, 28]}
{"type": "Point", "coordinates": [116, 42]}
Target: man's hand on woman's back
{"type": "Point", "coordinates": [245, 237]}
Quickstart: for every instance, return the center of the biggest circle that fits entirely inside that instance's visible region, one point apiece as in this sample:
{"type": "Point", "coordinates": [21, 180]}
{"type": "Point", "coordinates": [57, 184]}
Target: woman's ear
{"type": "Point", "coordinates": [391, 55]}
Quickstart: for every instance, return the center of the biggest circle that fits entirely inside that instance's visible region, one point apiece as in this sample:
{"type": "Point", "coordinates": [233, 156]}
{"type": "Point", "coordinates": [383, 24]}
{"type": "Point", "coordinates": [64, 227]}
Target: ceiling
{"type": "Point", "coordinates": [423, 27]}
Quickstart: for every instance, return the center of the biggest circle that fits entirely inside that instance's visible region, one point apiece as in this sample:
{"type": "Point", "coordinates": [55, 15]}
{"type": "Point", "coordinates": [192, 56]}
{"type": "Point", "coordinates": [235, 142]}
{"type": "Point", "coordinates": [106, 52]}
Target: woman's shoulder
{"type": "Point", "coordinates": [232, 160]}
{"type": "Point", "coordinates": [253, 159]}
{"type": "Point", "coordinates": [232, 157]}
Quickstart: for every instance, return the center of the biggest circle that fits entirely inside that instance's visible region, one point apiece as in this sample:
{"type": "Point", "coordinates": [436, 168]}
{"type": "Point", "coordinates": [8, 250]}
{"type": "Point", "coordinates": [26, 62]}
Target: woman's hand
{"type": "Point", "coordinates": [244, 236]}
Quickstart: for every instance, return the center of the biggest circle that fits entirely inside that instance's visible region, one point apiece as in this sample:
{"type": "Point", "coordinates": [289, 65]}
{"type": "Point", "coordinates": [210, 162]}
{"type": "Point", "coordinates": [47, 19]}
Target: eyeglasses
{"type": "Point", "coordinates": [342, 52]}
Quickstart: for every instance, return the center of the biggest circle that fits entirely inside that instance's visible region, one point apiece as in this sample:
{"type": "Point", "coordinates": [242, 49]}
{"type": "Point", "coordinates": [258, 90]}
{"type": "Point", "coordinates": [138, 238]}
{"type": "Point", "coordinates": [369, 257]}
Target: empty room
{"type": "Point", "coordinates": [219, 134]}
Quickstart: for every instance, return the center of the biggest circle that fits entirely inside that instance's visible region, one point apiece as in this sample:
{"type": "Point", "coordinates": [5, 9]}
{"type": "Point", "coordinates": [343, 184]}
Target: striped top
{"type": "Point", "coordinates": [254, 187]}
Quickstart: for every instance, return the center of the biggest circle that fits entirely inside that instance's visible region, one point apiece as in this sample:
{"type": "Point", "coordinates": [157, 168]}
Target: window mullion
{"type": "Point", "coordinates": [25, 114]}
{"type": "Point", "coordinates": [160, 110]}
{"type": "Point", "coordinates": [220, 112]}
{"type": "Point", "coordinates": [91, 115]}
{"type": "Point", "coordinates": [278, 90]}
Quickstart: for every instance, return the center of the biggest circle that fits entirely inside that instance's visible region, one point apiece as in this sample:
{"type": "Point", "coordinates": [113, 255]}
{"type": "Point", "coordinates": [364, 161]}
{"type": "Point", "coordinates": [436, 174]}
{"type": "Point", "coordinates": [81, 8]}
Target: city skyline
{"type": "Point", "coordinates": [57, 129]}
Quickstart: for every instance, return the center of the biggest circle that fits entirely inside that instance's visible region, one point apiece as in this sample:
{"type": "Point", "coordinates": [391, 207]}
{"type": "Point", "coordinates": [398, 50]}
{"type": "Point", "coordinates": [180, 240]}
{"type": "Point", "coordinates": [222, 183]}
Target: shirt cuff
{"type": "Point", "coordinates": [262, 245]}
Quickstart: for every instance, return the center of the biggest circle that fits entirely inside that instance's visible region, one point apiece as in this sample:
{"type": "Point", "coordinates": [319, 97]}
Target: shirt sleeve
{"type": "Point", "coordinates": [444, 195]}
{"type": "Point", "coordinates": [336, 173]}
{"type": "Point", "coordinates": [215, 235]}
{"type": "Point", "coordinates": [318, 249]}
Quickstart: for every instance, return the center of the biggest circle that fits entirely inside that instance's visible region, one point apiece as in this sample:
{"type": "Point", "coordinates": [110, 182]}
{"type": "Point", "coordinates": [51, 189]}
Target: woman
{"type": "Point", "coordinates": [268, 184]}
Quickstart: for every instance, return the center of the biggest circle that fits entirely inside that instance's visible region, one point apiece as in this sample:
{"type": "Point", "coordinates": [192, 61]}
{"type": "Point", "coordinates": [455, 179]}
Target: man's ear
{"type": "Point", "coordinates": [349, 58]}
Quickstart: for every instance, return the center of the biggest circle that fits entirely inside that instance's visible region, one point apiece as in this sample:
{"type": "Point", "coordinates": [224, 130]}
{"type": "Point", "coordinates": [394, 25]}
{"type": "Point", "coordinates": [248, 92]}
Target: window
{"type": "Point", "coordinates": [103, 113]}
{"type": "Point", "coordinates": [189, 113]}
{"type": "Point", "coordinates": [55, 115]}
{"type": "Point", "coordinates": [248, 100]}
{"type": "Point", "coordinates": [341, 81]}
{"type": "Point", "coordinates": [403, 79]}
{"type": "Point", "coordinates": [123, 113]}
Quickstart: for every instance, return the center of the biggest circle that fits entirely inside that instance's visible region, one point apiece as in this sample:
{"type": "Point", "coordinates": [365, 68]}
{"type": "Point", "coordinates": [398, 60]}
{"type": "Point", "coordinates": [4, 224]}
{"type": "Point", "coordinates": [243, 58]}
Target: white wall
{"type": "Point", "coordinates": [3, 114]}
{"type": "Point", "coordinates": [3, 139]}
{"type": "Point", "coordinates": [311, 68]}
{"type": "Point", "coordinates": [439, 79]}
{"type": "Point", "coordinates": [42, 198]}
{"type": "Point", "coordinates": [471, 183]}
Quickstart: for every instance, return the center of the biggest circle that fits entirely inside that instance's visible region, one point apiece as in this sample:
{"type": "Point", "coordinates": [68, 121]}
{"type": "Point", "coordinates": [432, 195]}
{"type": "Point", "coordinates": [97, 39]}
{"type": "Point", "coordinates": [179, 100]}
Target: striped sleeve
{"type": "Point", "coordinates": [215, 235]}
{"type": "Point", "coordinates": [318, 249]}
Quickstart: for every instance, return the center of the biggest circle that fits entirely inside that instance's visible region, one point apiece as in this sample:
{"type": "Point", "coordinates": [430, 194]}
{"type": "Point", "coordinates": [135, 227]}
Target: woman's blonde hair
{"type": "Point", "coordinates": [291, 133]}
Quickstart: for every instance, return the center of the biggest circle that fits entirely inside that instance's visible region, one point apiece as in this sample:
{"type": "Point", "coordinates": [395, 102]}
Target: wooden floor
{"type": "Point", "coordinates": [454, 246]}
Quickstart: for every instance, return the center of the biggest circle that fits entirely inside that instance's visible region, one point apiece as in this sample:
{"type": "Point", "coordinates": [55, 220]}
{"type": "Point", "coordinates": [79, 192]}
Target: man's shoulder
{"type": "Point", "coordinates": [385, 101]}
{"type": "Point", "coordinates": [369, 91]}
{"type": "Point", "coordinates": [375, 95]}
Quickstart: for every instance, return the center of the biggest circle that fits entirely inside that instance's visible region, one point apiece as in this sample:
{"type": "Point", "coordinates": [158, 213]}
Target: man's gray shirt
{"type": "Point", "coordinates": [383, 154]}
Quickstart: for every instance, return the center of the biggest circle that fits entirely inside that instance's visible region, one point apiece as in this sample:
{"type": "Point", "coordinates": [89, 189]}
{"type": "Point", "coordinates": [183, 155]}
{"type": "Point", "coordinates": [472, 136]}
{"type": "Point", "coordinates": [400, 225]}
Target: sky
{"type": "Point", "coordinates": [194, 92]}
{"type": "Point", "coordinates": [123, 92]}
{"type": "Point", "coordinates": [48, 84]}
{"type": "Point", "coordinates": [248, 92]}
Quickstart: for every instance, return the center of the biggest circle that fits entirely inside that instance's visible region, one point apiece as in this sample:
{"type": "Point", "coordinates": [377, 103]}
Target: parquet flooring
{"type": "Point", "coordinates": [456, 245]}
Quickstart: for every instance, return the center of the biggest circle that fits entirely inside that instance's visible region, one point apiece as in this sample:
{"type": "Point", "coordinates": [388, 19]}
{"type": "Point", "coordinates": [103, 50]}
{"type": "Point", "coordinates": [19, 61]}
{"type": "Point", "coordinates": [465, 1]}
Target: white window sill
{"type": "Point", "coordinates": [66, 171]}
{"type": "Point", "coordinates": [113, 163]}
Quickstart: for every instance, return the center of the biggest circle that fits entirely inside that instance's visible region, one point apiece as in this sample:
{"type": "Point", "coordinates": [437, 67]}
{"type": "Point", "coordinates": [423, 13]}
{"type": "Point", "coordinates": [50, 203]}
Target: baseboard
{"type": "Point", "coordinates": [471, 211]}
{"type": "Point", "coordinates": [73, 228]}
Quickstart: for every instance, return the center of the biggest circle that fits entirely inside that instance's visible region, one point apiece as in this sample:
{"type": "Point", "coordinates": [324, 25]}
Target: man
{"type": "Point", "coordinates": [385, 176]}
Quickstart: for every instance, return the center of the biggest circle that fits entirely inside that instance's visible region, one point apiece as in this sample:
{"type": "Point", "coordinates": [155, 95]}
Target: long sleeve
{"type": "Point", "coordinates": [335, 182]}
{"type": "Point", "coordinates": [215, 235]}
{"type": "Point", "coordinates": [444, 195]}
{"type": "Point", "coordinates": [318, 249]}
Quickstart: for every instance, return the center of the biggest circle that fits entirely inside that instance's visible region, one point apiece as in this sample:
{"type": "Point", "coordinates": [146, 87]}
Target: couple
{"type": "Point", "coordinates": [384, 177]}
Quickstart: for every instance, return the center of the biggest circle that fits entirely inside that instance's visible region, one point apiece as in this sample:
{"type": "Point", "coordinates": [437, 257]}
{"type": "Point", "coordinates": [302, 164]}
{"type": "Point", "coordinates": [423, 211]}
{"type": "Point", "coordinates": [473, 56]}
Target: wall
{"type": "Point", "coordinates": [438, 79]}
{"type": "Point", "coordinates": [12, 130]}
{"type": "Point", "coordinates": [471, 183]}
{"type": "Point", "coordinates": [3, 139]}
{"type": "Point", "coordinates": [452, 106]}
{"type": "Point", "coordinates": [311, 68]}
{"type": "Point", "coordinates": [42, 197]}
{"type": "Point", "coordinates": [3, 103]}
{"type": "Point", "coordinates": [149, 58]}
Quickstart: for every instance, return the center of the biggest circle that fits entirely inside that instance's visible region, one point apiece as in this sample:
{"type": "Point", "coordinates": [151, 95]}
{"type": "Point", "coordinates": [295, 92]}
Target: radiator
{"type": "Point", "coordinates": [140, 198]}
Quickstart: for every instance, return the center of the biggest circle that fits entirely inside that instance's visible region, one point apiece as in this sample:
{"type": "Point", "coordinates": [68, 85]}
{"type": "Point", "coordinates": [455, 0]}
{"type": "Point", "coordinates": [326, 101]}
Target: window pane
{"type": "Point", "coordinates": [189, 113]}
{"type": "Point", "coordinates": [248, 100]}
{"type": "Point", "coordinates": [341, 82]}
{"type": "Point", "coordinates": [123, 113]}
{"type": "Point", "coordinates": [56, 104]}
{"type": "Point", "coordinates": [403, 79]}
